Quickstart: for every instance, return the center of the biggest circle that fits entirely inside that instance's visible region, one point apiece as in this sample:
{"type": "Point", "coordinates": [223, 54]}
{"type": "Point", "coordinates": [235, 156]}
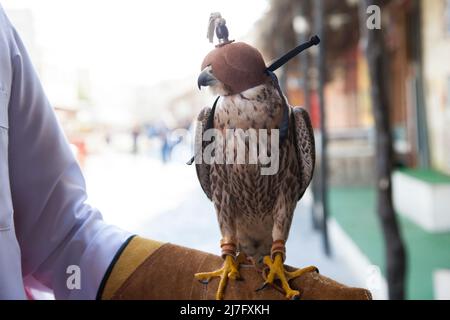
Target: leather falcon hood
{"type": "Point", "coordinates": [237, 65]}
{"type": "Point", "coordinates": [240, 66]}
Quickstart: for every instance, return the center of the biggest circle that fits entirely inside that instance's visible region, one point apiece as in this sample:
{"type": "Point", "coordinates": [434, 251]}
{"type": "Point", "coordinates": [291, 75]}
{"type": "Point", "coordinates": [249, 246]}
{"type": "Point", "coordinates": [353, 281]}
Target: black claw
{"type": "Point", "coordinates": [264, 285]}
{"type": "Point", "coordinates": [296, 298]}
{"type": "Point", "coordinates": [204, 281]}
{"type": "Point", "coordinates": [317, 270]}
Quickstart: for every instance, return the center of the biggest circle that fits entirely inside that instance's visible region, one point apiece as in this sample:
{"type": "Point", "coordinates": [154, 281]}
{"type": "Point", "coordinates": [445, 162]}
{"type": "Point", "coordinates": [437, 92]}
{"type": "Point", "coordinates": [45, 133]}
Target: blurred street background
{"type": "Point", "coordinates": [121, 76]}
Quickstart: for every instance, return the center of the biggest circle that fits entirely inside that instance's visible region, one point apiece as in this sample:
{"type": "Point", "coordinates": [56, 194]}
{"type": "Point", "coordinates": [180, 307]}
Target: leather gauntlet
{"type": "Point", "coordinates": [147, 269]}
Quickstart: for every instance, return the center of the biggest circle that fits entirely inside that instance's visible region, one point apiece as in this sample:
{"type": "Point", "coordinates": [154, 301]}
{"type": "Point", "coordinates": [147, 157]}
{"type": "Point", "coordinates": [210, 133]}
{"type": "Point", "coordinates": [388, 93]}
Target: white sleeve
{"type": "Point", "coordinates": [55, 228]}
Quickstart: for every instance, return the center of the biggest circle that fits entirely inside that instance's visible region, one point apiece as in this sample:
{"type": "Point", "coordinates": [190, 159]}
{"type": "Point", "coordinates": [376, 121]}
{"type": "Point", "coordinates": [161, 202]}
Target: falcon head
{"type": "Point", "coordinates": [232, 68]}
{"type": "Point", "coordinates": [207, 79]}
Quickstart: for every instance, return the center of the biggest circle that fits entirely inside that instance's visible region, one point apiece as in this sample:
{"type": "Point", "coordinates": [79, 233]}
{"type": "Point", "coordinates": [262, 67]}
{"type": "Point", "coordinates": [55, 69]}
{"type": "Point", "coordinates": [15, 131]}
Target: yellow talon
{"type": "Point", "coordinates": [228, 270]}
{"type": "Point", "coordinates": [277, 271]}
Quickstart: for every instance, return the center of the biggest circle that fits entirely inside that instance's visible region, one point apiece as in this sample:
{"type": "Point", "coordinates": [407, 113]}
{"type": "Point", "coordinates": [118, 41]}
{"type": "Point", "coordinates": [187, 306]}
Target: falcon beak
{"type": "Point", "coordinates": [206, 78]}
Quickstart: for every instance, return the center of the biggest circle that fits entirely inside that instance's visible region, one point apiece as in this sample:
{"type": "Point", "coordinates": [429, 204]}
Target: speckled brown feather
{"type": "Point", "coordinates": [203, 169]}
{"type": "Point", "coordinates": [304, 143]}
{"type": "Point", "coordinates": [253, 210]}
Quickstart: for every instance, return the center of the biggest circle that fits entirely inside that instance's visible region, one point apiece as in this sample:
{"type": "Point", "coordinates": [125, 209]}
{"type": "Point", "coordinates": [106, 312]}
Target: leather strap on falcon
{"type": "Point", "coordinates": [314, 41]}
{"type": "Point", "coordinates": [278, 246]}
{"type": "Point", "coordinates": [284, 126]}
{"type": "Point", "coordinates": [228, 249]}
{"type": "Point", "coordinates": [209, 125]}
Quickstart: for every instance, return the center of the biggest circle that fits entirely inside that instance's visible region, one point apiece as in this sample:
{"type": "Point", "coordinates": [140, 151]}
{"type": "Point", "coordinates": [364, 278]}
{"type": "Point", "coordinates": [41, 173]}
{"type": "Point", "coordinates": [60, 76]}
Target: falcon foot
{"type": "Point", "coordinates": [228, 271]}
{"type": "Point", "coordinates": [277, 271]}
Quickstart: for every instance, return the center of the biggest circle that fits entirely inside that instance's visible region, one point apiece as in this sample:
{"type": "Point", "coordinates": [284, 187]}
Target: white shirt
{"type": "Point", "coordinates": [45, 226]}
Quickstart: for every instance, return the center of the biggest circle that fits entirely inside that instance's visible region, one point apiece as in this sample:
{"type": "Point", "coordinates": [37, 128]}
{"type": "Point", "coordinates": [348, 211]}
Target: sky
{"type": "Point", "coordinates": [124, 47]}
{"type": "Point", "coordinates": [133, 42]}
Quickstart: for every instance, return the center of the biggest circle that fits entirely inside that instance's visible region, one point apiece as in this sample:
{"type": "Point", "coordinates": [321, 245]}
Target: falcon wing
{"type": "Point", "coordinates": [305, 147]}
{"type": "Point", "coordinates": [203, 169]}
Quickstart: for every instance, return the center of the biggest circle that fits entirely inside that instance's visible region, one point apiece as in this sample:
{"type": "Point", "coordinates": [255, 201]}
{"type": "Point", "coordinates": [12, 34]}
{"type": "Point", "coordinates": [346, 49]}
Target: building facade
{"type": "Point", "coordinates": [436, 63]}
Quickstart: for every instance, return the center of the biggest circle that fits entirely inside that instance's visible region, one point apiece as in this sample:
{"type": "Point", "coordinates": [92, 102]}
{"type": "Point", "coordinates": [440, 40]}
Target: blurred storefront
{"type": "Point", "coordinates": [436, 49]}
{"type": "Point", "coordinates": [418, 77]}
{"type": "Point", "coordinates": [417, 41]}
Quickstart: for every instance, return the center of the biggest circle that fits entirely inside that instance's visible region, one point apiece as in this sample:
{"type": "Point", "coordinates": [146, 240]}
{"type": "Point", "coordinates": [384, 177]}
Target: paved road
{"type": "Point", "coordinates": [165, 202]}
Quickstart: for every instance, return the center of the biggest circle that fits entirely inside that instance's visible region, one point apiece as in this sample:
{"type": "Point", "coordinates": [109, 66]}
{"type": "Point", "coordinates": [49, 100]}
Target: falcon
{"type": "Point", "coordinates": [254, 210]}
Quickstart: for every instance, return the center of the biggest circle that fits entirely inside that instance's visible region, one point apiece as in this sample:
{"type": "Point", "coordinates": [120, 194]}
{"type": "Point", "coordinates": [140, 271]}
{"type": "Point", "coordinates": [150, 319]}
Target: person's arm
{"type": "Point", "coordinates": [54, 226]}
